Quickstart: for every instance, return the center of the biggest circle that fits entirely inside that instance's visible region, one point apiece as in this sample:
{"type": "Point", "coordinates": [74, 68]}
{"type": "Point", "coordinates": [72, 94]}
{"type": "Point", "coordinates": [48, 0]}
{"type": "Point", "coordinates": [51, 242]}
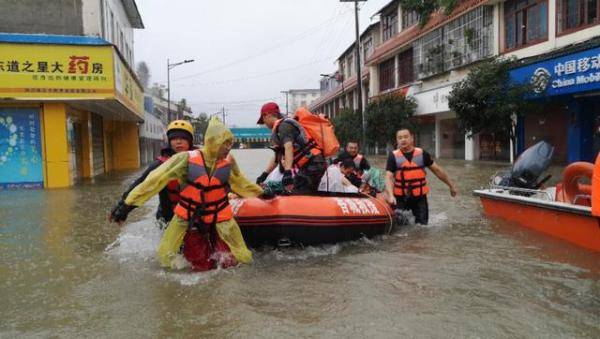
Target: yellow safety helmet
{"type": "Point", "coordinates": [176, 127]}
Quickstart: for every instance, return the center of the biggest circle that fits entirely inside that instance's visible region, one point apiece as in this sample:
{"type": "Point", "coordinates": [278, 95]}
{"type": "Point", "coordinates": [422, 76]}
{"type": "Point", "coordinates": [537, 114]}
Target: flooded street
{"type": "Point", "coordinates": [66, 272]}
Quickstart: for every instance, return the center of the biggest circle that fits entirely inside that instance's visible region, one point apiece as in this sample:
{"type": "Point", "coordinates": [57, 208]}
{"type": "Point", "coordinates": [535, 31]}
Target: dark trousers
{"type": "Point", "coordinates": [309, 176]}
{"type": "Point", "coordinates": [417, 205]}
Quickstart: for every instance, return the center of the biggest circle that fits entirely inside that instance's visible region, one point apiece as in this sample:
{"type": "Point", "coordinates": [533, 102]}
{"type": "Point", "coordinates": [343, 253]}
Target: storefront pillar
{"type": "Point", "coordinates": [86, 145]}
{"type": "Point", "coordinates": [55, 145]}
{"type": "Point", "coordinates": [469, 148]}
{"type": "Point", "coordinates": [438, 137]}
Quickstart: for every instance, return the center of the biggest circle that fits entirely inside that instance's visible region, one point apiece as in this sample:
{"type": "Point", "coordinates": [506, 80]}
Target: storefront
{"type": "Point", "coordinates": [438, 126]}
{"type": "Point", "coordinates": [69, 109]}
{"type": "Point", "coordinates": [568, 88]}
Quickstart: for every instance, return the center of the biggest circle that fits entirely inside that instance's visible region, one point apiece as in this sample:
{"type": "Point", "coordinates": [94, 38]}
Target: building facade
{"type": "Point", "coordinates": [152, 132]}
{"type": "Point", "coordinates": [426, 61]}
{"type": "Point", "coordinates": [339, 89]}
{"type": "Point", "coordinates": [70, 103]}
{"type": "Point", "coordinates": [301, 98]}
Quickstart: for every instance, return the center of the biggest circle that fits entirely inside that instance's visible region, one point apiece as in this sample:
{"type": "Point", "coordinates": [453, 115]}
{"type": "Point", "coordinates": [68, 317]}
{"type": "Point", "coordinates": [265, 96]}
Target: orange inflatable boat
{"type": "Point", "coordinates": [311, 220]}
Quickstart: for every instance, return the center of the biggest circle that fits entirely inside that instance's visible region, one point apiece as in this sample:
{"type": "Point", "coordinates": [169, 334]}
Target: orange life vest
{"type": "Point", "coordinates": [410, 175]}
{"type": "Point", "coordinates": [204, 197]}
{"type": "Point", "coordinates": [304, 149]}
{"type": "Point", "coordinates": [173, 185]}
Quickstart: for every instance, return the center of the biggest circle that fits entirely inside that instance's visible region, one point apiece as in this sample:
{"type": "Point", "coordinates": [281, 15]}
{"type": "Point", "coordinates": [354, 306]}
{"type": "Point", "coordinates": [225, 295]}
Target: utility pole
{"type": "Point", "coordinates": [286, 102]}
{"type": "Point", "coordinates": [358, 71]}
{"type": "Point", "coordinates": [169, 67]}
{"type": "Point", "coordinates": [223, 113]}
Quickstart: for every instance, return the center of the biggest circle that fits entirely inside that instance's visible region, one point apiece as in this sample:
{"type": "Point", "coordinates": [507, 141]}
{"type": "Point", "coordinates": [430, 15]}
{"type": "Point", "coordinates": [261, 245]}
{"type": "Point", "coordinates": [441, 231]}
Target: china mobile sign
{"type": "Point", "coordinates": [578, 72]}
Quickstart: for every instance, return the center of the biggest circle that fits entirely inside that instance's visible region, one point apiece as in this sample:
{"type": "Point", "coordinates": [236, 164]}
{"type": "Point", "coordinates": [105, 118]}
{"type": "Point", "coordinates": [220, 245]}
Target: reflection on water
{"type": "Point", "coordinates": [66, 272]}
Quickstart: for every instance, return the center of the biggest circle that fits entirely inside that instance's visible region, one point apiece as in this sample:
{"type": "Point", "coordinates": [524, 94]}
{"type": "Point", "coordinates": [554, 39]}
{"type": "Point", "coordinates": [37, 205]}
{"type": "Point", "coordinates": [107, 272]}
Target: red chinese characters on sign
{"type": "Point", "coordinates": [79, 64]}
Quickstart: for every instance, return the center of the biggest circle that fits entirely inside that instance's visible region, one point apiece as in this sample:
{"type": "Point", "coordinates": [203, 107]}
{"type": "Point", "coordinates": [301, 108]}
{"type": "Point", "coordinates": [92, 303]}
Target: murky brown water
{"type": "Point", "coordinates": [66, 272]}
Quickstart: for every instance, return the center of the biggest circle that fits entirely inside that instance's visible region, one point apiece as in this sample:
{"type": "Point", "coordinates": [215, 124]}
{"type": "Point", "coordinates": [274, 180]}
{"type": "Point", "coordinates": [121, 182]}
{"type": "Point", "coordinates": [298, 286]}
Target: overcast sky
{"type": "Point", "coordinates": [246, 52]}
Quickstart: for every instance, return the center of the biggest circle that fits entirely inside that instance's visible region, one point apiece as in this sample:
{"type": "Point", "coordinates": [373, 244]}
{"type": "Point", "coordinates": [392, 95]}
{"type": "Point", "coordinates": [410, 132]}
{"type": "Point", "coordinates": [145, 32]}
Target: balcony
{"type": "Point", "coordinates": [462, 41]}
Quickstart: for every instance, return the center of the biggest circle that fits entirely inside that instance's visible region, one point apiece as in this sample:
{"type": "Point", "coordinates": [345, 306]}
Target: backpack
{"type": "Point", "coordinates": [320, 129]}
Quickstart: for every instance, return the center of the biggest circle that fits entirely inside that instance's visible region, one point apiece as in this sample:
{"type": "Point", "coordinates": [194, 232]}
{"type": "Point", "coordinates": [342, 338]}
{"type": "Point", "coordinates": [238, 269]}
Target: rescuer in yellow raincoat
{"type": "Point", "coordinates": [211, 167]}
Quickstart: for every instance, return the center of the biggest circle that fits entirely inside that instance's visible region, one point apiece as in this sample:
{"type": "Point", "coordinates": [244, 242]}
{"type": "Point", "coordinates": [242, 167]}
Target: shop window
{"type": "Point", "coordinates": [409, 19]}
{"type": "Point", "coordinates": [389, 25]}
{"type": "Point", "coordinates": [405, 67]}
{"type": "Point", "coordinates": [572, 15]}
{"type": "Point", "coordinates": [525, 23]}
{"type": "Point", "coordinates": [386, 75]}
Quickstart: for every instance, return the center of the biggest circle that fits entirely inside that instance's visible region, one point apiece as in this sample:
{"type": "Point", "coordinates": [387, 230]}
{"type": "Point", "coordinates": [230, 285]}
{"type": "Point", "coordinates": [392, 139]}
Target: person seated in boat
{"type": "Point", "coordinates": [203, 220]}
{"type": "Point", "coordinates": [361, 163]}
{"type": "Point", "coordinates": [301, 161]}
{"type": "Point", "coordinates": [335, 178]}
{"type": "Point", "coordinates": [373, 182]}
{"type": "Point", "coordinates": [406, 184]}
{"type": "Point", "coordinates": [180, 136]}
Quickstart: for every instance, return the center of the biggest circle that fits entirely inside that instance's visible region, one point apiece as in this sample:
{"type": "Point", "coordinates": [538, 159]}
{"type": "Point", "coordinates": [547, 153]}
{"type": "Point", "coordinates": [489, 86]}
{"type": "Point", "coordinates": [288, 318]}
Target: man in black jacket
{"type": "Point", "coordinates": [180, 134]}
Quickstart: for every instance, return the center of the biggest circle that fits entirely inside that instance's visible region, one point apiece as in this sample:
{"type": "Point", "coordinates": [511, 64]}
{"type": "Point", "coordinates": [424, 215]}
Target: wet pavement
{"type": "Point", "coordinates": [66, 272]}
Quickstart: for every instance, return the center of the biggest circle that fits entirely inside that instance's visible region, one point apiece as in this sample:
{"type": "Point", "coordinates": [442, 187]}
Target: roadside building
{"type": "Point", "coordinates": [339, 90]}
{"type": "Point", "coordinates": [559, 49]}
{"type": "Point", "coordinates": [70, 103]}
{"type": "Point", "coordinates": [152, 132]}
{"type": "Point", "coordinates": [301, 98]}
{"type": "Point", "coordinates": [424, 62]}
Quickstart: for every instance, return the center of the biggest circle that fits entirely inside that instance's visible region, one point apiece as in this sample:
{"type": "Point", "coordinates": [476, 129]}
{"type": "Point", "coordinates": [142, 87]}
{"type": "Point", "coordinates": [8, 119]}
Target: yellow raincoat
{"type": "Point", "coordinates": [177, 168]}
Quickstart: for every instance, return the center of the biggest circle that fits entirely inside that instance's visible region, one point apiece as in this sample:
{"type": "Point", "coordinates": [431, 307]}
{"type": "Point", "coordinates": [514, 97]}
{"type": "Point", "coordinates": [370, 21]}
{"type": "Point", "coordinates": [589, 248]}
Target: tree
{"type": "Point", "coordinates": [486, 101]}
{"type": "Point", "coordinates": [347, 126]}
{"type": "Point", "coordinates": [386, 115]}
{"type": "Point", "coordinates": [424, 8]}
{"type": "Point", "coordinates": [143, 73]}
{"type": "Point", "coordinates": [200, 124]}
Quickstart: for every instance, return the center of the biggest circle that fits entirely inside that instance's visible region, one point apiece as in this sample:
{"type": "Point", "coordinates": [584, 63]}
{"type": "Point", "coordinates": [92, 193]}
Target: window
{"type": "Point", "coordinates": [342, 69]}
{"type": "Point", "coordinates": [574, 14]}
{"type": "Point", "coordinates": [122, 43]}
{"type": "Point", "coordinates": [386, 75]}
{"type": "Point", "coordinates": [350, 65]}
{"type": "Point", "coordinates": [409, 18]}
{"type": "Point", "coordinates": [389, 26]}
{"type": "Point", "coordinates": [525, 22]}
{"type": "Point", "coordinates": [112, 28]}
{"type": "Point", "coordinates": [367, 49]}
{"type": "Point", "coordinates": [405, 67]}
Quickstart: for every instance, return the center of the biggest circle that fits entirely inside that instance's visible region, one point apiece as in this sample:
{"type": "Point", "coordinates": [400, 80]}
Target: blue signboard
{"type": "Point", "coordinates": [20, 149]}
{"type": "Point", "coordinates": [574, 73]}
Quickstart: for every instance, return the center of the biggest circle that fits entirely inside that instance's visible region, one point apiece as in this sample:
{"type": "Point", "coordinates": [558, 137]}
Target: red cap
{"type": "Point", "coordinates": [268, 108]}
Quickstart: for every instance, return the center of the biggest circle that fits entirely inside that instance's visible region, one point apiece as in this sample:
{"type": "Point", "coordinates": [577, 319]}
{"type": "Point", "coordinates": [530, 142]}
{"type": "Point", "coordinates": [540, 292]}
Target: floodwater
{"type": "Point", "coordinates": [66, 272]}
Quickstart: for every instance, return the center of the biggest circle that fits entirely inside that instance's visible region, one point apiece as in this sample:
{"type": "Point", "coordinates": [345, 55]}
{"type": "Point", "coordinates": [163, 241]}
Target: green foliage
{"type": "Point", "coordinates": [426, 7]}
{"type": "Point", "coordinates": [143, 73]}
{"type": "Point", "coordinates": [486, 101]}
{"type": "Point", "coordinates": [200, 124]}
{"type": "Point", "coordinates": [386, 115]}
{"type": "Point", "coordinates": [348, 126]}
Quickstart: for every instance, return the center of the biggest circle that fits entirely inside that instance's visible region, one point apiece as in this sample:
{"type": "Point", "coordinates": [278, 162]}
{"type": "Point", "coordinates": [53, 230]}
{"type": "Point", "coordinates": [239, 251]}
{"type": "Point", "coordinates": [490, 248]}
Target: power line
{"type": "Point", "coordinates": [233, 102]}
{"type": "Point", "coordinates": [273, 48]}
{"type": "Point", "coordinates": [257, 76]}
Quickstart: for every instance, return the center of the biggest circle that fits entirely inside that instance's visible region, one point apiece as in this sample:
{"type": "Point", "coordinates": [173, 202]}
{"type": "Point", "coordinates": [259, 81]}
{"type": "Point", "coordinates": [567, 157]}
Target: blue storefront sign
{"type": "Point", "coordinates": [20, 149]}
{"type": "Point", "coordinates": [574, 73]}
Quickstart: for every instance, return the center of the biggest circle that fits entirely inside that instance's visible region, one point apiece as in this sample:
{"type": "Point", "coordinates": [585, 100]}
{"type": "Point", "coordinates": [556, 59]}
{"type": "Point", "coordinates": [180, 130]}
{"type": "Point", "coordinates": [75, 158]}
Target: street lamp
{"type": "Point", "coordinates": [358, 74]}
{"type": "Point", "coordinates": [169, 67]}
